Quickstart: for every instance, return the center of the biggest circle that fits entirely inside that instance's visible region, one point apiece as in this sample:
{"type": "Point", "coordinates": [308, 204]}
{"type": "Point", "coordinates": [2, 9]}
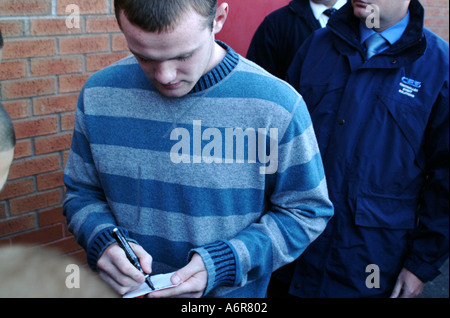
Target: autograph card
{"type": "Point", "coordinates": [161, 281]}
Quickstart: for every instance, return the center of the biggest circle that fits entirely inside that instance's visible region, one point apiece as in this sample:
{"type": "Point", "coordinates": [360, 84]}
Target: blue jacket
{"type": "Point", "coordinates": [383, 131]}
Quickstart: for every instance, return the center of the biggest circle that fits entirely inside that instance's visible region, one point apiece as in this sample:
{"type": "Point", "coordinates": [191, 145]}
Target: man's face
{"type": "Point", "coordinates": [6, 157]}
{"type": "Point", "coordinates": [174, 61]}
{"type": "Point", "coordinates": [391, 11]}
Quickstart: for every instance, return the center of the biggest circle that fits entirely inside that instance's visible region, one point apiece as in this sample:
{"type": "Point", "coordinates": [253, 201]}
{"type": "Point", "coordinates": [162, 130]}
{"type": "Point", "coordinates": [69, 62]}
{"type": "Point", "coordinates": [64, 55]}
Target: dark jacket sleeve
{"type": "Point", "coordinates": [430, 244]}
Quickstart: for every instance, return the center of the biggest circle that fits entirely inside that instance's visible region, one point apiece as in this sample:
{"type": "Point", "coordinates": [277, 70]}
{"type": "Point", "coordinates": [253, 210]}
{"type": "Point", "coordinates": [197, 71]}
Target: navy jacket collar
{"type": "Point", "coordinates": [411, 46]}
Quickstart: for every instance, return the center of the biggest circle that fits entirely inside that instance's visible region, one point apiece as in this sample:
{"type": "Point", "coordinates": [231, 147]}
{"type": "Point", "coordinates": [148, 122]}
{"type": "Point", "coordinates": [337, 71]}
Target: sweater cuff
{"type": "Point", "coordinates": [99, 244]}
{"type": "Point", "coordinates": [220, 262]}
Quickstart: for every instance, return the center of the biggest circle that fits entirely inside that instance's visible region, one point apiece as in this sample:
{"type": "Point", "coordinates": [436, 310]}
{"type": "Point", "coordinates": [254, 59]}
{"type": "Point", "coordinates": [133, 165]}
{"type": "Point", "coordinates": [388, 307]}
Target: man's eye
{"type": "Point", "coordinates": [184, 58]}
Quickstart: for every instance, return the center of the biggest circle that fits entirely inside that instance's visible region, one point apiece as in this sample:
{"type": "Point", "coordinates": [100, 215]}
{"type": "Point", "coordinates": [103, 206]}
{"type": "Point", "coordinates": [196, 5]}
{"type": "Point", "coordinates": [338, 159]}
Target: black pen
{"type": "Point", "coordinates": [123, 243]}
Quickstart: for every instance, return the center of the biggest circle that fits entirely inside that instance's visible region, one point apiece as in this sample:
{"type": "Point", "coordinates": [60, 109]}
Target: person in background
{"type": "Point", "coordinates": [282, 32]}
{"type": "Point", "coordinates": [7, 143]}
{"type": "Point", "coordinates": [7, 137]}
{"type": "Point", "coordinates": [376, 83]}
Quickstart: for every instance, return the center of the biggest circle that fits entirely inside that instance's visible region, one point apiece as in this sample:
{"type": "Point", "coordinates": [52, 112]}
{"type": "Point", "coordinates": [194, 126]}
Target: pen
{"type": "Point", "coordinates": [131, 255]}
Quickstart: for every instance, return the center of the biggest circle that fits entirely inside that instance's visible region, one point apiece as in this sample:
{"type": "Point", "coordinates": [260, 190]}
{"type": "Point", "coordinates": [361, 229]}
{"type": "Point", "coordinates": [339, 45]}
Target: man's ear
{"type": "Point", "coordinates": [221, 17]}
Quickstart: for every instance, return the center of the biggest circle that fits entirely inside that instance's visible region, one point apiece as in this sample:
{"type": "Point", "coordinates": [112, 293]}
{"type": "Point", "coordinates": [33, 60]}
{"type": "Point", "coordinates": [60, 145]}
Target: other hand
{"type": "Point", "coordinates": [408, 285]}
{"type": "Point", "coordinates": [192, 280]}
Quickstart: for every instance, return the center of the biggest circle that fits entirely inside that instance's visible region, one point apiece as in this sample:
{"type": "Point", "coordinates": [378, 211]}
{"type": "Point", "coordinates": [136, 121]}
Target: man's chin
{"type": "Point", "coordinates": [360, 9]}
{"type": "Point", "coordinates": [178, 90]}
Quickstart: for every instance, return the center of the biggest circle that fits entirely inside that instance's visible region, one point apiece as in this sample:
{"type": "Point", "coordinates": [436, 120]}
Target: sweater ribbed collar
{"type": "Point", "coordinates": [219, 72]}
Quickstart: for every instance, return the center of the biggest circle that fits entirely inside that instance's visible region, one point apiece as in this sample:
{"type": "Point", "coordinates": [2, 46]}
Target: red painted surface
{"type": "Point", "coordinates": [244, 17]}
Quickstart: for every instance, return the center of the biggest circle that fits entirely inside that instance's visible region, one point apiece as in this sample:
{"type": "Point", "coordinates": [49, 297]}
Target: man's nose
{"type": "Point", "coordinates": [165, 72]}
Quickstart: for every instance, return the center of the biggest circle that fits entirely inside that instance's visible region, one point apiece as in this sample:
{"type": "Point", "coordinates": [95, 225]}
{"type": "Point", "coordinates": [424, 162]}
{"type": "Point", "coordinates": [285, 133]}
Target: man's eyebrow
{"type": "Point", "coordinates": [184, 55]}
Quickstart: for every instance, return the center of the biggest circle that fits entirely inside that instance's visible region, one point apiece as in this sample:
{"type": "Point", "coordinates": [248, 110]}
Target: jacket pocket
{"type": "Point", "coordinates": [411, 120]}
{"type": "Point", "coordinates": [388, 158]}
{"type": "Point", "coordinates": [384, 212]}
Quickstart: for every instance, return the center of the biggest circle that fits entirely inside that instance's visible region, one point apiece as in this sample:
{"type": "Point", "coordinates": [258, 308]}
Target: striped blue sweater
{"type": "Point", "coordinates": [231, 171]}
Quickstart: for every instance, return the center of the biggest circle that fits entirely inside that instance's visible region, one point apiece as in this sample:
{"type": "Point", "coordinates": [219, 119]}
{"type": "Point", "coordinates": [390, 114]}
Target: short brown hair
{"type": "Point", "coordinates": [163, 15]}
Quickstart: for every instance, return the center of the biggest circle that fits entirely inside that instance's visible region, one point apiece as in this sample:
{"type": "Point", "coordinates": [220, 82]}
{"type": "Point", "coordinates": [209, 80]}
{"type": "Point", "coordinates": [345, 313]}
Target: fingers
{"type": "Point", "coordinates": [408, 285]}
{"type": "Point", "coordinates": [193, 287]}
{"type": "Point", "coordinates": [117, 271]}
{"type": "Point", "coordinates": [193, 279]}
{"type": "Point", "coordinates": [397, 289]}
{"type": "Point", "coordinates": [144, 258]}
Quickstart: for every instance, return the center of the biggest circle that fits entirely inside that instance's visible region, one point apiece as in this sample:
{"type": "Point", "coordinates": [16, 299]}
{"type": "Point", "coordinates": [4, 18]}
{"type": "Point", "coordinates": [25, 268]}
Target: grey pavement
{"type": "Point", "coordinates": [438, 288]}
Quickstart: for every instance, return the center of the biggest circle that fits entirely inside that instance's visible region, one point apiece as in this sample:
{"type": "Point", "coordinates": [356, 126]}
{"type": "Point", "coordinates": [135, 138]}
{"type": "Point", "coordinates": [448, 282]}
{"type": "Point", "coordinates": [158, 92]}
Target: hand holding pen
{"type": "Point", "coordinates": [118, 272]}
{"type": "Point", "coordinates": [123, 243]}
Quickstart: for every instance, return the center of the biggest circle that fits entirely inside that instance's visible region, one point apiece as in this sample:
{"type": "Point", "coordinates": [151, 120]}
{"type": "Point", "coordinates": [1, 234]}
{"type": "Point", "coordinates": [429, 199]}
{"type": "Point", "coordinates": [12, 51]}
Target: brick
{"type": "Point", "coordinates": [65, 157]}
{"type": "Point", "coordinates": [2, 210]}
{"type": "Point", "coordinates": [86, 6]}
{"type": "Point", "coordinates": [40, 236]}
{"type": "Point", "coordinates": [65, 245]}
{"type": "Point", "coordinates": [51, 27]}
{"type": "Point", "coordinates": [99, 61]}
{"type": "Point", "coordinates": [17, 109]}
{"type": "Point", "coordinates": [54, 104]}
{"type": "Point", "coordinates": [25, 7]}
{"type": "Point", "coordinates": [35, 127]}
{"type": "Point", "coordinates": [11, 28]}
{"type": "Point", "coordinates": [33, 202]}
{"type": "Point", "coordinates": [17, 224]}
{"type": "Point", "coordinates": [13, 70]}
{"type": "Point", "coordinates": [66, 230]}
{"type": "Point", "coordinates": [5, 242]}
{"type": "Point", "coordinates": [28, 88]}
{"type": "Point", "coordinates": [33, 166]}
{"type": "Point", "coordinates": [17, 188]}
{"type": "Point", "coordinates": [119, 43]}
{"type": "Point", "coordinates": [52, 144]}
{"type": "Point", "coordinates": [29, 48]}
{"type": "Point", "coordinates": [54, 66]}
{"type": "Point", "coordinates": [72, 83]}
{"type": "Point", "coordinates": [85, 44]}
{"type": "Point", "coordinates": [441, 22]}
{"type": "Point", "coordinates": [67, 121]}
{"type": "Point", "coordinates": [79, 256]}
{"type": "Point", "coordinates": [50, 180]}
{"type": "Point", "coordinates": [51, 216]}
{"type": "Point", "coordinates": [102, 25]}
{"type": "Point", "coordinates": [22, 149]}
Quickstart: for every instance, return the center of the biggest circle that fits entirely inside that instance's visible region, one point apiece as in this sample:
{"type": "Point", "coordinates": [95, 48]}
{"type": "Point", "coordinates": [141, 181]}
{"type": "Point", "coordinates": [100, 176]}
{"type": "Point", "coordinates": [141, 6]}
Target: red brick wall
{"type": "Point", "coordinates": [44, 67]}
{"type": "Point", "coordinates": [437, 16]}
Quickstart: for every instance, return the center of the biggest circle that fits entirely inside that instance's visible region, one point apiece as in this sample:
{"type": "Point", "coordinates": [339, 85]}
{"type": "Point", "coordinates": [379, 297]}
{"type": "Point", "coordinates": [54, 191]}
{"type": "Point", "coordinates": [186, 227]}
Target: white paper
{"type": "Point", "coordinates": [161, 281]}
